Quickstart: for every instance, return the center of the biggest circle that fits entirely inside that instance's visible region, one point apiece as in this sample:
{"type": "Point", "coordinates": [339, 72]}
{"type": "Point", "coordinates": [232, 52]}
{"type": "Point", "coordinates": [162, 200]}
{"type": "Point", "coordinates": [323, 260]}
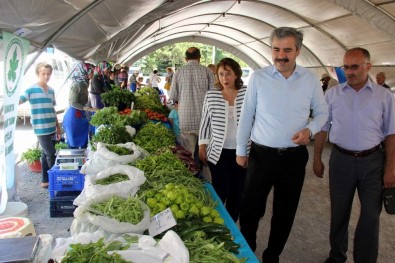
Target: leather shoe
{"type": "Point", "coordinates": [44, 185]}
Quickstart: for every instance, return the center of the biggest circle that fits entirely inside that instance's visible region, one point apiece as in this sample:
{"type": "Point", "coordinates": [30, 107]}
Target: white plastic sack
{"type": "Point", "coordinates": [62, 244]}
{"type": "Point", "coordinates": [172, 244]}
{"type": "Point", "coordinates": [124, 188]}
{"type": "Point", "coordinates": [110, 224]}
{"type": "Point", "coordinates": [103, 151]}
{"type": "Point", "coordinates": [169, 249]}
{"type": "Point", "coordinates": [96, 164]}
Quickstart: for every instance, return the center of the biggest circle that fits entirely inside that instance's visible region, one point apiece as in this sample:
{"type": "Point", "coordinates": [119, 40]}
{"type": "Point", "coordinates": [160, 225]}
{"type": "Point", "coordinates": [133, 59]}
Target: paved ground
{"type": "Point", "coordinates": [307, 243]}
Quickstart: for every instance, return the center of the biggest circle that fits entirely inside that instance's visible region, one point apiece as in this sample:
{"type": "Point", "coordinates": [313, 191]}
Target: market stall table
{"type": "Point", "coordinates": [245, 250]}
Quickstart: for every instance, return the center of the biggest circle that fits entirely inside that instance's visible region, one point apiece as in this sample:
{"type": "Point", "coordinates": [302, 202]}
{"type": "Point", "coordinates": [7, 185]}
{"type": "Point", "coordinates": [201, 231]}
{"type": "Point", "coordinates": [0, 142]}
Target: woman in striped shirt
{"type": "Point", "coordinates": [217, 135]}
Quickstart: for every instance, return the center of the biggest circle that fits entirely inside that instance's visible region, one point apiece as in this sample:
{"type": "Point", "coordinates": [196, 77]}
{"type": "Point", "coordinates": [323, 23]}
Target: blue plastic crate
{"type": "Point", "coordinates": [63, 194]}
{"type": "Point", "coordinates": [65, 180]}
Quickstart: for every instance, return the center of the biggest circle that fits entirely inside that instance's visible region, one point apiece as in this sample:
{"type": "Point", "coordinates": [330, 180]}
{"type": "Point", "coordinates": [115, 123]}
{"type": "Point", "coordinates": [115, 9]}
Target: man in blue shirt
{"type": "Point", "coordinates": [361, 117]}
{"type": "Point", "coordinates": [275, 116]}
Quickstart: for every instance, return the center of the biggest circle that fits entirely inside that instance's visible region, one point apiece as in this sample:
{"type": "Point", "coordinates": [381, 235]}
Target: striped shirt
{"type": "Point", "coordinates": [190, 84]}
{"type": "Point", "coordinates": [214, 124]}
{"type": "Point", "coordinates": [43, 115]}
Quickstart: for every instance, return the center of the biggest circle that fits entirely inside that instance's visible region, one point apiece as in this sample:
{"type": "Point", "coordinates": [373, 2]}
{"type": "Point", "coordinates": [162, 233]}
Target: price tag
{"type": "Point", "coordinates": [161, 222]}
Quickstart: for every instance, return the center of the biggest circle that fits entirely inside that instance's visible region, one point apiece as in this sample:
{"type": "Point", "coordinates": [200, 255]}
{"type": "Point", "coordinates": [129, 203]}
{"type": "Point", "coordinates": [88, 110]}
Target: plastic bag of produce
{"type": "Point", "coordinates": [115, 214]}
{"type": "Point", "coordinates": [122, 152]}
{"type": "Point", "coordinates": [97, 164]}
{"type": "Point", "coordinates": [100, 183]}
{"type": "Point", "coordinates": [121, 180]}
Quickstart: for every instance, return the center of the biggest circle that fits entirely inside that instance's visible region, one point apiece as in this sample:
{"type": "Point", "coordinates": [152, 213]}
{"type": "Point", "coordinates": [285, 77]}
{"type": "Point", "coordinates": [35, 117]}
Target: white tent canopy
{"type": "Point", "coordinates": [125, 30]}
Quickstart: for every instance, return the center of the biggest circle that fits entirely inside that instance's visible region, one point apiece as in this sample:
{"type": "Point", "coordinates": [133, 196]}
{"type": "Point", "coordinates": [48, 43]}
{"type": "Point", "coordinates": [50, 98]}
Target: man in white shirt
{"type": "Point", "coordinates": [275, 116]}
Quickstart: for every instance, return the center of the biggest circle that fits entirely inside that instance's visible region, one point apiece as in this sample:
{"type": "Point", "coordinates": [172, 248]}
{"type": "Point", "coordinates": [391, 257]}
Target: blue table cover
{"type": "Point", "coordinates": [245, 250]}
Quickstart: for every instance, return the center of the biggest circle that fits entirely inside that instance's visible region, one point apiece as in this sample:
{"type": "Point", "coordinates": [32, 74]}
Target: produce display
{"type": "Point", "coordinates": [169, 182]}
{"type": "Point", "coordinates": [155, 116]}
{"type": "Point", "coordinates": [153, 137]}
{"type": "Point", "coordinates": [119, 150]}
{"type": "Point", "coordinates": [111, 116]}
{"type": "Point", "coordinates": [186, 157]}
{"type": "Point", "coordinates": [112, 179]}
{"type": "Point", "coordinates": [124, 210]}
{"type": "Point", "coordinates": [96, 252]}
{"type": "Point", "coordinates": [121, 98]}
{"type": "Point", "coordinates": [148, 98]}
{"type": "Point", "coordinates": [113, 134]}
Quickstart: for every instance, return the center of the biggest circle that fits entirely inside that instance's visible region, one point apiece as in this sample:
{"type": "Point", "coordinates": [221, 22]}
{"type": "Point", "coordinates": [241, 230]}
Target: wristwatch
{"type": "Point", "coordinates": [310, 134]}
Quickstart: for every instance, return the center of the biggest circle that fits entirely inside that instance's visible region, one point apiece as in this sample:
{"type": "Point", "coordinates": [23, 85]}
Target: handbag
{"type": "Point", "coordinates": [389, 200]}
{"type": "Point", "coordinates": [167, 86]}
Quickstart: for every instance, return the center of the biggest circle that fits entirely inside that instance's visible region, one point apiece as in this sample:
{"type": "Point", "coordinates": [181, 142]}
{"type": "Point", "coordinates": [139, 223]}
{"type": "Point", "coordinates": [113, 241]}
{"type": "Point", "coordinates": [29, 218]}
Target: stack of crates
{"type": "Point", "coordinates": [64, 187]}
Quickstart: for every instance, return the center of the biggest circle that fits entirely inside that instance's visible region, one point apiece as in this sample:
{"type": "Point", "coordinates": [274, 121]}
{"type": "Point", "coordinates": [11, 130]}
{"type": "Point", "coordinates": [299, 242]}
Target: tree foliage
{"type": "Point", "coordinates": [174, 56]}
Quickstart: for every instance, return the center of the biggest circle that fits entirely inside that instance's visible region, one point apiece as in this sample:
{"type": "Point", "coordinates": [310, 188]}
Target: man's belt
{"type": "Point", "coordinates": [357, 153]}
{"type": "Point", "coordinates": [280, 150]}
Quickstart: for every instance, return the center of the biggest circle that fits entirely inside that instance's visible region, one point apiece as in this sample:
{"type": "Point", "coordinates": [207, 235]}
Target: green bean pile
{"type": "Point", "coordinates": [124, 210]}
{"type": "Point", "coordinates": [112, 179]}
{"type": "Point", "coordinates": [119, 150]}
{"type": "Point", "coordinates": [153, 137]}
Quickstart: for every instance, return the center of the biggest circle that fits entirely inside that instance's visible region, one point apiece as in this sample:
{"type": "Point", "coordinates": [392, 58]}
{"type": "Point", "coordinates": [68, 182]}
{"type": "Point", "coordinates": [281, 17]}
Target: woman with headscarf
{"type": "Point", "coordinates": [100, 84]}
{"type": "Point", "coordinates": [75, 121]}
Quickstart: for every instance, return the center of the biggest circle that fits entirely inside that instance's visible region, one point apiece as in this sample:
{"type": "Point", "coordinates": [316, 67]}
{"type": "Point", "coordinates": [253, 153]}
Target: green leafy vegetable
{"type": "Point", "coordinates": [111, 135]}
{"type": "Point", "coordinates": [95, 252]}
{"type": "Point", "coordinates": [117, 96]}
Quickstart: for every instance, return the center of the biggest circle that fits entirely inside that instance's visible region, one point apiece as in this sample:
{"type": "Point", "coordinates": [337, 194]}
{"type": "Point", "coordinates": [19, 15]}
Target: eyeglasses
{"type": "Point", "coordinates": [352, 67]}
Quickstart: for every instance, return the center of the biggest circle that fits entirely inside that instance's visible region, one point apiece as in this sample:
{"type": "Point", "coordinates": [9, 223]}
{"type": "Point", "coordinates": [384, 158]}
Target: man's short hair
{"type": "Point", "coordinates": [364, 52]}
{"type": "Point", "coordinates": [192, 53]}
{"type": "Point", "coordinates": [43, 65]}
{"type": "Point", "coordinates": [381, 74]}
{"type": "Point", "coordinates": [282, 32]}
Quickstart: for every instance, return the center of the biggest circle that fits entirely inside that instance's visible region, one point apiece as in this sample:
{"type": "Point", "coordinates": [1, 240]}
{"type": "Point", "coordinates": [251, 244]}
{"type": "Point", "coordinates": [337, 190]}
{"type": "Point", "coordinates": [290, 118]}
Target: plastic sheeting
{"type": "Point", "coordinates": [125, 30]}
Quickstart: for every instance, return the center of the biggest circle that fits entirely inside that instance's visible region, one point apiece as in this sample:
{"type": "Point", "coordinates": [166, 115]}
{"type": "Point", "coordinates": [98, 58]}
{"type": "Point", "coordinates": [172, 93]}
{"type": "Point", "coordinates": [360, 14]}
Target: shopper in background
{"type": "Point", "coordinates": [123, 77]}
{"type": "Point", "coordinates": [217, 135]}
{"type": "Point", "coordinates": [174, 122]}
{"type": "Point", "coordinates": [361, 117]}
{"type": "Point", "coordinates": [328, 82]}
{"type": "Point", "coordinates": [275, 117]}
{"type": "Point", "coordinates": [189, 86]}
{"type": "Point", "coordinates": [99, 84]}
{"type": "Point", "coordinates": [133, 81]}
{"type": "Point", "coordinates": [380, 78]}
{"type": "Point", "coordinates": [139, 83]}
{"type": "Point", "coordinates": [111, 79]}
{"type": "Point", "coordinates": [154, 80]}
{"type": "Point", "coordinates": [43, 117]}
{"type": "Point", "coordinates": [75, 121]}
{"type": "Point", "coordinates": [169, 78]}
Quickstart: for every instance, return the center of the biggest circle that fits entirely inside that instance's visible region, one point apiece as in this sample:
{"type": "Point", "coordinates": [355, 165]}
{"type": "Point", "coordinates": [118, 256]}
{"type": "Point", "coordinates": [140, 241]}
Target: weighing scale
{"type": "Point", "coordinates": [71, 156]}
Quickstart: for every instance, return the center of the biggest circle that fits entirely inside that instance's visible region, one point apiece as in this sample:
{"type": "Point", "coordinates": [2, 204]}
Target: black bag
{"type": "Point", "coordinates": [389, 200]}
